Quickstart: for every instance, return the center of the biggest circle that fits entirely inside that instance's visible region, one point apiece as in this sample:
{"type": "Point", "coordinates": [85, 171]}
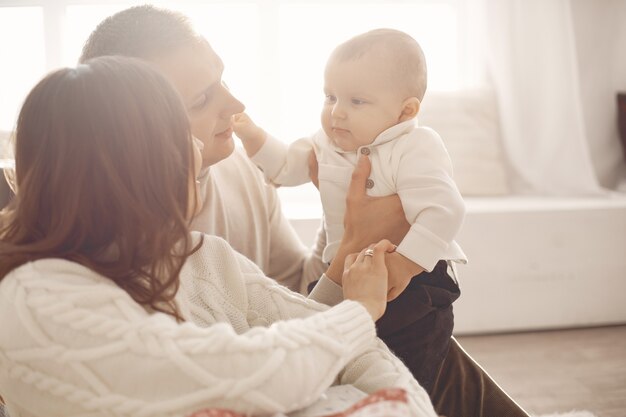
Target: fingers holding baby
{"type": "Point", "coordinates": [365, 277]}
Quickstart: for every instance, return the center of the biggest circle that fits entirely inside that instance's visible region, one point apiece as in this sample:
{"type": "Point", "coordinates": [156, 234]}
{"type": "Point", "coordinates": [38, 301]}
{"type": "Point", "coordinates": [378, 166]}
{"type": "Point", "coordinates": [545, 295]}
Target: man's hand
{"type": "Point", "coordinates": [367, 220]}
{"type": "Point", "coordinates": [400, 269]}
{"type": "Point", "coordinates": [370, 219]}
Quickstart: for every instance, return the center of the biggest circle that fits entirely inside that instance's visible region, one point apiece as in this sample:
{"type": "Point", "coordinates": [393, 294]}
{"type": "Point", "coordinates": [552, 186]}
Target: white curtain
{"type": "Point", "coordinates": [600, 31]}
{"type": "Point", "coordinates": [532, 60]}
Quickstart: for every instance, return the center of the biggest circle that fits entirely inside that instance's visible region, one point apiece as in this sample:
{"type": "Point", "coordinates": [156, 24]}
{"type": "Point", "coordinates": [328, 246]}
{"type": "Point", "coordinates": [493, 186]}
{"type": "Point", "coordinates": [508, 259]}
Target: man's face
{"type": "Point", "coordinates": [361, 101]}
{"type": "Point", "coordinates": [196, 72]}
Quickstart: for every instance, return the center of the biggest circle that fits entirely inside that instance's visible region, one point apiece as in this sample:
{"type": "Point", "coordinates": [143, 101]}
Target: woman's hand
{"type": "Point", "coordinates": [365, 277]}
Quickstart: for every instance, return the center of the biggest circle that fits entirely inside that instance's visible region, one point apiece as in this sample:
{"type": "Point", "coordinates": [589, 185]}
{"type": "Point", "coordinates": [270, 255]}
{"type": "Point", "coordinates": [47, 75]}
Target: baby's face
{"type": "Point", "coordinates": [361, 101]}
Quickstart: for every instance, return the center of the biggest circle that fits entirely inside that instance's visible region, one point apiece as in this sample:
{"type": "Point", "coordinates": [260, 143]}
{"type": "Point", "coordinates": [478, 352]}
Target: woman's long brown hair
{"type": "Point", "coordinates": [104, 163]}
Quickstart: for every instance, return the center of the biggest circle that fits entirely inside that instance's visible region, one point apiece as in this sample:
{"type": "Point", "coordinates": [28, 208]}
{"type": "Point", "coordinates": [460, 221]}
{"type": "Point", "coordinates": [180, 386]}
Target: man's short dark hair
{"type": "Point", "coordinates": [141, 32]}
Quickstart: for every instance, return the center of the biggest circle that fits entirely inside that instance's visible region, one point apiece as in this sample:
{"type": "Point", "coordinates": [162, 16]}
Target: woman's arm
{"type": "Point", "coordinates": [73, 338]}
{"type": "Point", "coordinates": [377, 367]}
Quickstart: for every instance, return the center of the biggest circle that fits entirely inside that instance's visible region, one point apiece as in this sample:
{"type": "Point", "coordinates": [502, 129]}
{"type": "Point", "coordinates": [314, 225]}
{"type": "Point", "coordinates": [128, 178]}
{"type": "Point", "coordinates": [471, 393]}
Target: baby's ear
{"type": "Point", "coordinates": [410, 108]}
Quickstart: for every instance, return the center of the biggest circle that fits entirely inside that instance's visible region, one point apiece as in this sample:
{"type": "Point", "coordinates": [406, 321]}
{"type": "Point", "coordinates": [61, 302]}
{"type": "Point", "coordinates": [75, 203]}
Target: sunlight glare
{"type": "Point", "coordinates": [22, 54]}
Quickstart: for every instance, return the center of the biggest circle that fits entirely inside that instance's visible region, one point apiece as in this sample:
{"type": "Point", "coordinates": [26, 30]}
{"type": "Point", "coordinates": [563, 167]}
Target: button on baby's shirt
{"type": "Point", "coordinates": [365, 151]}
{"type": "Point", "coordinates": [369, 183]}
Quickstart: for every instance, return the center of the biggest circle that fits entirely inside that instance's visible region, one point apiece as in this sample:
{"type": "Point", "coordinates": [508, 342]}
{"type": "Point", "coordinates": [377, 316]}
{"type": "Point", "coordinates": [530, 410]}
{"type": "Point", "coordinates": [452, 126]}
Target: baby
{"type": "Point", "coordinates": [374, 84]}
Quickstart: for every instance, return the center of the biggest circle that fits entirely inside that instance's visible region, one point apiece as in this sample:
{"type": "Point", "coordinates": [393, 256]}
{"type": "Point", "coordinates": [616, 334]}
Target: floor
{"type": "Point", "coordinates": [558, 371]}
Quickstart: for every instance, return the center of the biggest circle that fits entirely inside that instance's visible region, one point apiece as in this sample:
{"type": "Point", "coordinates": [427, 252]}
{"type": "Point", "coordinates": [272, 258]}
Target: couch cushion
{"type": "Point", "coordinates": [469, 125]}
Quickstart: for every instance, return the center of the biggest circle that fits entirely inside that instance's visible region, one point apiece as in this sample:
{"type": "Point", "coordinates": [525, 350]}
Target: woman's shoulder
{"type": "Point", "coordinates": [52, 281]}
{"type": "Point", "coordinates": [210, 243]}
{"type": "Point", "coordinates": [215, 249]}
{"type": "Point", "coordinates": [54, 271]}
{"type": "Point", "coordinates": [52, 286]}
{"type": "Point", "coordinates": [216, 254]}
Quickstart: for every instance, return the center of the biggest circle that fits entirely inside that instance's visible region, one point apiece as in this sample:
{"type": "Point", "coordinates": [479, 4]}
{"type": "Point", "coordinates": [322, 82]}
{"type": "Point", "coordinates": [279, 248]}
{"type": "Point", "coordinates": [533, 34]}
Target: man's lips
{"type": "Point", "coordinates": [225, 133]}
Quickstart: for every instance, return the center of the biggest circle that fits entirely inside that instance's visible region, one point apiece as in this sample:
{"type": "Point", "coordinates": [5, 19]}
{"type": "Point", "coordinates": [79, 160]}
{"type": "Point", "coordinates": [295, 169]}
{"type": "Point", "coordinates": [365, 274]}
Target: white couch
{"type": "Point", "coordinates": [534, 263]}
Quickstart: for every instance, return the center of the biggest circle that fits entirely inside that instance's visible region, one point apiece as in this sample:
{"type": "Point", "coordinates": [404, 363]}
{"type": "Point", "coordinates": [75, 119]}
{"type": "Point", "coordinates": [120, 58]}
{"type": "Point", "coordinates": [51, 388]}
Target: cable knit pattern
{"type": "Point", "coordinates": [74, 344]}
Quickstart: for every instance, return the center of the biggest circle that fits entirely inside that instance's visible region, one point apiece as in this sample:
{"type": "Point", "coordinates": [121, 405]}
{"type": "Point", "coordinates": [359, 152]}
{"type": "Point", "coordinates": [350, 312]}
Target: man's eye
{"type": "Point", "coordinates": [357, 101]}
{"type": "Point", "coordinates": [201, 102]}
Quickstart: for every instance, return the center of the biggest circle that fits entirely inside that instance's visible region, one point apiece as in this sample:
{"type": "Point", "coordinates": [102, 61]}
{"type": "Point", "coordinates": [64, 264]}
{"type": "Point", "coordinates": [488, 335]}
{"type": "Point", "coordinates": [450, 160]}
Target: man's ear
{"type": "Point", "coordinates": [410, 108]}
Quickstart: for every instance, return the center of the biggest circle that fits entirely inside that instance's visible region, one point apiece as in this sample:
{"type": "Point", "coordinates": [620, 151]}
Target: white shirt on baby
{"type": "Point", "coordinates": [407, 160]}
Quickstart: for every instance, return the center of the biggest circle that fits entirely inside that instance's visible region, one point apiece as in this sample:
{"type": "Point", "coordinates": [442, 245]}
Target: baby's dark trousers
{"type": "Point", "coordinates": [418, 324]}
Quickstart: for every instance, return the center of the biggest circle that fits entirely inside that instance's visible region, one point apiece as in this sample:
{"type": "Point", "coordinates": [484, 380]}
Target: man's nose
{"type": "Point", "coordinates": [231, 105]}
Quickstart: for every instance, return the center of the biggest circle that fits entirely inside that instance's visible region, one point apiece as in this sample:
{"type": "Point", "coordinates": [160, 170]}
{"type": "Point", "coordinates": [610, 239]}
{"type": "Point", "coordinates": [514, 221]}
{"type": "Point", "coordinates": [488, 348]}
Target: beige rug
{"type": "Point", "coordinates": [570, 414]}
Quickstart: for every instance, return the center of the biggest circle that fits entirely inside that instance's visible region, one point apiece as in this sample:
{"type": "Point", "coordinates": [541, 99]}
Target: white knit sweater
{"type": "Point", "coordinates": [239, 206]}
{"type": "Point", "coordinates": [74, 344]}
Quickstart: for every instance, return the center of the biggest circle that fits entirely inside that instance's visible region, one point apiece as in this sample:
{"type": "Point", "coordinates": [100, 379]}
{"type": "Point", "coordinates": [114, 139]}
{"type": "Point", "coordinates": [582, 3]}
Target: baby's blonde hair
{"type": "Point", "coordinates": [405, 55]}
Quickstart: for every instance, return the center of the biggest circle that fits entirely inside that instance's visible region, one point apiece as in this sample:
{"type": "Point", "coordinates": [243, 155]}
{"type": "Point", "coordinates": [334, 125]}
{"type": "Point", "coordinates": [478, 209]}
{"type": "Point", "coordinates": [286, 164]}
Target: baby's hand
{"type": "Point", "coordinates": [246, 129]}
{"type": "Point", "coordinates": [251, 135]}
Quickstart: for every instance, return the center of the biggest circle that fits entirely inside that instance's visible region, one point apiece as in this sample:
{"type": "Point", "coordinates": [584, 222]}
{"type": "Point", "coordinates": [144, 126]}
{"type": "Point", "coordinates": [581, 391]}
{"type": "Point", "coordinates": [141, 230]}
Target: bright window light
{"type": "Point", "coordinates": [274, 53]}
{"type": "Point", "coordinates": [80, 21]}
{"type": "Point", "coordinates": [236, 43]}
{"type": "Point", "coordinates": [233, 29]}
{"type": "Point", "coordinates": [308, 33]}
{"type": "Point", "coordinates": [22, 55]}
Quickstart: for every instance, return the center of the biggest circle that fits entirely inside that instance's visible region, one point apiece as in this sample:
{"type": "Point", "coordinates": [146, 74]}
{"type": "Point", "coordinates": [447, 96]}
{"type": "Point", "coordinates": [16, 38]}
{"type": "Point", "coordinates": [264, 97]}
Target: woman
{"type": "Point", "coordinates": [109, 306]}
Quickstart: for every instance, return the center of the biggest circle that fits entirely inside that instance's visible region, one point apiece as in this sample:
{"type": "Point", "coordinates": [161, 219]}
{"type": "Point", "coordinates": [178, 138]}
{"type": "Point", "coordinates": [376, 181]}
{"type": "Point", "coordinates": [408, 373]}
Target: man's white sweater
{"type": "Point", "coordinates": [72, 343]}
{"type": "Point", "coordinates": [239, 206]}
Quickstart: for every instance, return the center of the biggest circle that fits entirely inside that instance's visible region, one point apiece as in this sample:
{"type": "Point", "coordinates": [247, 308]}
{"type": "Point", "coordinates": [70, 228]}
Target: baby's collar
{"type": "Point", "coordinates": [385, 136]}
{"type": "Point", "coordinates": [395, 131]}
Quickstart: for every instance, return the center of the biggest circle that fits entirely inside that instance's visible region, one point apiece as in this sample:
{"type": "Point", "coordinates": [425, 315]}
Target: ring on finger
{"type": "Point", "coordinates": [369, 252]}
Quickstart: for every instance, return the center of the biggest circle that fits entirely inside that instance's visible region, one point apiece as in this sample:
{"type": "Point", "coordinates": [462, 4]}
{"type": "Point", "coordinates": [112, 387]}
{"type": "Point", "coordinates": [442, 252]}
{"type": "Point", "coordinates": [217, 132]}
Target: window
{"type": "Point", "coordinates": [23, 57]}
{"type": "Point", "coordinates": [274, 52]}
